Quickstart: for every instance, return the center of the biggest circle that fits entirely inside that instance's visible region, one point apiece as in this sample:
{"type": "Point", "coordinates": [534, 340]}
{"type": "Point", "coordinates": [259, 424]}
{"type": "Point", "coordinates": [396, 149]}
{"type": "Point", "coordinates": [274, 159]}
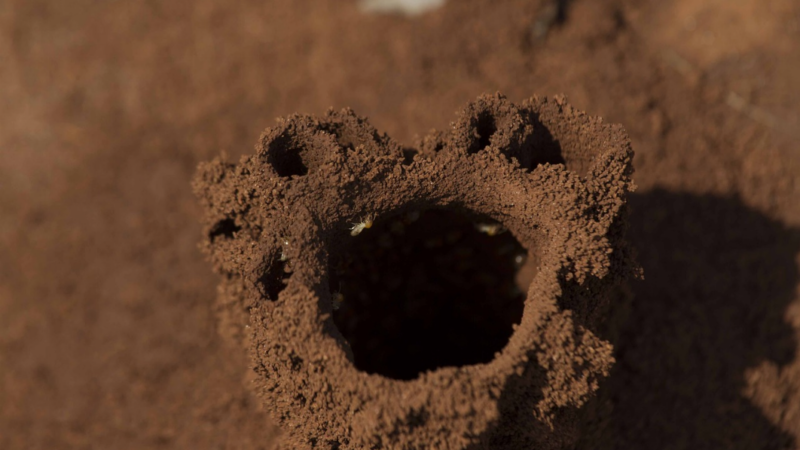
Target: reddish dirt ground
{"type": "Point", "coordinates": [107, 331]}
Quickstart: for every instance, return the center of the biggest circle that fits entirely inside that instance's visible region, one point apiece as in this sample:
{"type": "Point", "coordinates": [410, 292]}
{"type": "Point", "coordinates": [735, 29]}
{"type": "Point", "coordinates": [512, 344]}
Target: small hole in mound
{"type": "Point", "coordinates": [542, 147]}
{"type": "Point", "coordinates": [421, 291]}
{"type": "Point", "coordinates": [408, 155]}
{"type": "Point", "coordinates": [347, 136]}
{"type": "Point", "coordinates": [225, 228]}
{"type": "Point", "coordinates": [286, 157]}
{"type": "Point", "coordinates": [485, 128]}
{"type": "Point", "coordinates": [275, 279]}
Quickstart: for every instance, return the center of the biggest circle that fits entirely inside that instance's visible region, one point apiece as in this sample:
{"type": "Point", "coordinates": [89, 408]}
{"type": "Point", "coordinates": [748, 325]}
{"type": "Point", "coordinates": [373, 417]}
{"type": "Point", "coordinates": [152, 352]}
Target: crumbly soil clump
{"type": "Point", "coordinates": [448, 296]}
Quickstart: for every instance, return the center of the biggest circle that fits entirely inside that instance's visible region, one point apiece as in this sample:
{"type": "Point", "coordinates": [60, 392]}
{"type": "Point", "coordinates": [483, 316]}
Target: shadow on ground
{"type": "Point", "coordinates": [719, 277]}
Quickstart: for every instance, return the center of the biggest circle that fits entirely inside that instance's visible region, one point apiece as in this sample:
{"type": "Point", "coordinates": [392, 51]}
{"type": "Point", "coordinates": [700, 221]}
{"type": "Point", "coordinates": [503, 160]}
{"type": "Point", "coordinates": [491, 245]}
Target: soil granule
{"type": "Point", "coordinates": [109, 328]}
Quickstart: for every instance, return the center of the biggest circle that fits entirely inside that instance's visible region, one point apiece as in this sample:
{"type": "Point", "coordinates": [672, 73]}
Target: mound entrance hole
{"type": "Point", "coordinates": [288, 157]}
{"type": "Point", "coordinates": [225, 228]}
{"type": "Point", "coordinates": [485, 128]}
{"type": "Point", "coordinates": [428, 289]}
{"type": "Point", "coordinates": [275, 279]}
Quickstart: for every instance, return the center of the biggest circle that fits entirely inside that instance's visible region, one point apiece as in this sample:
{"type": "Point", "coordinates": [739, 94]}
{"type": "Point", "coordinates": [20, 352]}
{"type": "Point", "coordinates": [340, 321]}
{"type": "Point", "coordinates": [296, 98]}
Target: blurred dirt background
{"type": "Point", "coordinates": [107, 333]}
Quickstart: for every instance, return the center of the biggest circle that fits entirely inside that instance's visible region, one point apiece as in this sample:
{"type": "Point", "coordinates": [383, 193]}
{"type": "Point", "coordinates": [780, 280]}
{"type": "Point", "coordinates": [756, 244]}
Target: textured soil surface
{"type": "Point", "coordinates": [109, 323]}
{"type": "Point", "coordinates": [346, 333]}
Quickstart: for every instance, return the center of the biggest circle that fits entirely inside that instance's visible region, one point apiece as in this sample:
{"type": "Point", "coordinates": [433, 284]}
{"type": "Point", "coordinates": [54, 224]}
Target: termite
{"type": "Point", "coordinates": [338, 299]}
{"type": "Point", "coordinates": [492, 229]}
{"type": "Point", "coordinates": [357, 228]}
{"type": "Point", "coordinates": [284, 256]}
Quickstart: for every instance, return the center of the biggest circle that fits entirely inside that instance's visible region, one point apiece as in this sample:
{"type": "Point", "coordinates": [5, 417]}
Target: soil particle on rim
{"type": "Point", "coordinates": [465, 315]}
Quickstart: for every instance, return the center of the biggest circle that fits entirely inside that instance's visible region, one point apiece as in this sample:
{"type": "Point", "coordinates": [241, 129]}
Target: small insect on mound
{"type": "Point", "coordinates": [338, 299]}
{"type": "Point", "coordinates": [365, 223]}
{"type": "Point", "coordinates": [491, 229]}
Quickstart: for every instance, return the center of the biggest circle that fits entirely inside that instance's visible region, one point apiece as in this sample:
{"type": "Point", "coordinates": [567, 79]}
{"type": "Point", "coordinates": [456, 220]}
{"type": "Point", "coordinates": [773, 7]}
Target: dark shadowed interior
{"type": "Point", "coordinates": [429, 289]}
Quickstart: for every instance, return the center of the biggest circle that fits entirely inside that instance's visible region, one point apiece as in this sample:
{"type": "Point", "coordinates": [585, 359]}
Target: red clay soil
{"type": "Point", "coordinates": [109, 330]}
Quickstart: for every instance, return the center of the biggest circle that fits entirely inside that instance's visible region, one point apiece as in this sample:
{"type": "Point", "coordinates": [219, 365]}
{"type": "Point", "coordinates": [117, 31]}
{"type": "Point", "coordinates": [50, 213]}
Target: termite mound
{"type": "Point", "coordinates": [541, 178]}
